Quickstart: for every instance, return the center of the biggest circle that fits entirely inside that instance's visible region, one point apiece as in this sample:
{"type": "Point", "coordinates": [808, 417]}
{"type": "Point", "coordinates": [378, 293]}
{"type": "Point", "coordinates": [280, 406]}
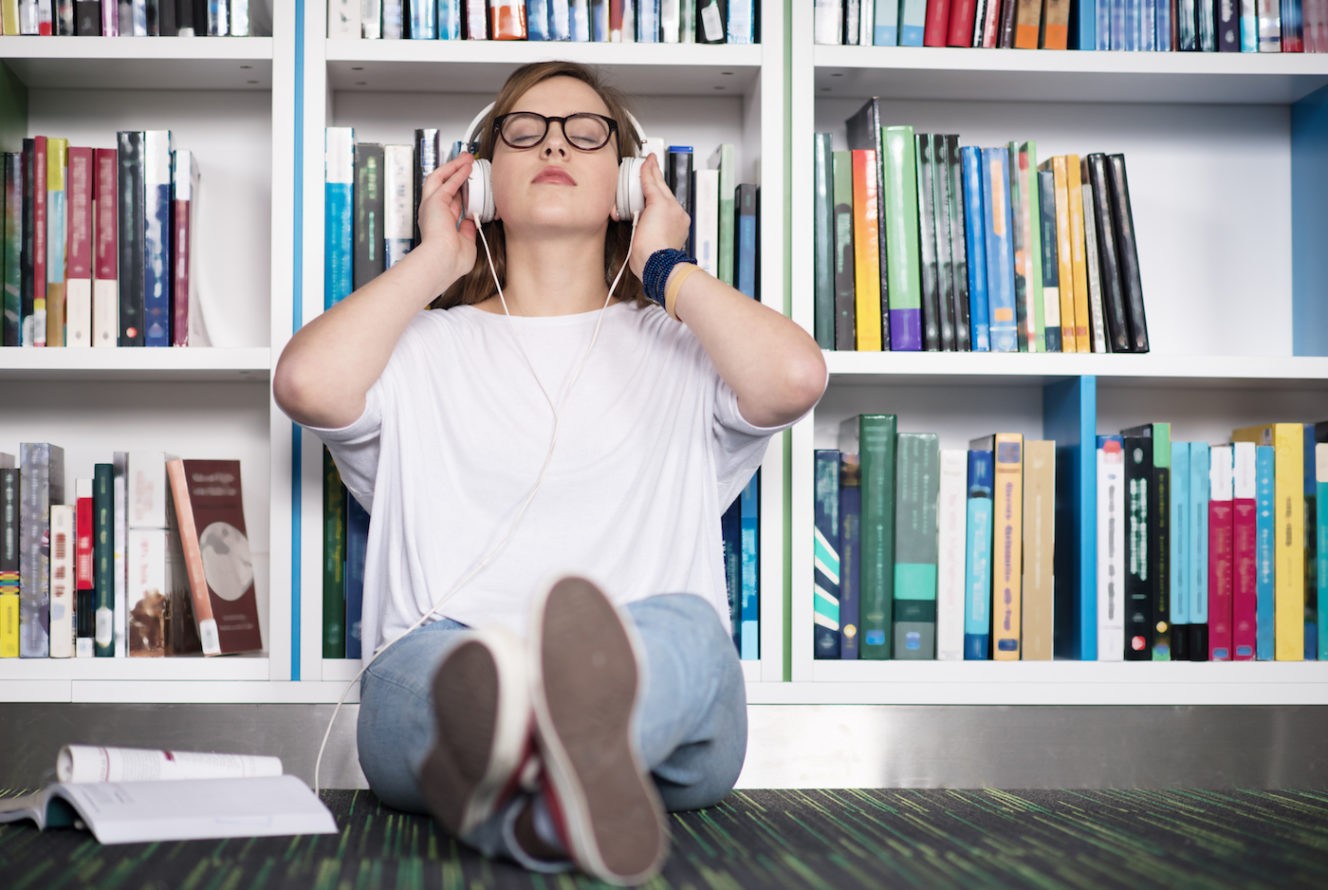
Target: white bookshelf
{"type": "Point", "coordinates": [229, 101]}
{"type": "Point", "coordinates": [686, 94]}
{"type": "Point", "coordinates": [1209, 145]}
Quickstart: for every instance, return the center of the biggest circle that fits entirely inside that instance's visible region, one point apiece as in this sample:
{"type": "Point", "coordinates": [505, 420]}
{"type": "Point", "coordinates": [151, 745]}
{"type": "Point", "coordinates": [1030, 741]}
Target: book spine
{"type": "Point", "coordinates": [357, 544]}
{"type": "Point", "coordinates": [823, 212]}
{"type": "Point", "coordinates": [1002, 319]}
{"type": "Point", "coordinates": [1244, 535]}
{"type": "Point", "coordinates": [57, 223]}
{"type": "Point", "coordinates": [1220, 554]}
{"type": "Point", "coordinates": [105, 270]}
{"type": "Point", "coordinates": [1007, 511]}
{"type": "Point", "coordinates": [1019, 252]}
{"type": "Point", "coordinates": [193, 557]}
{"type": "Point", "coordinates": [962, 13]}
{"type": "Point", "coordinates": [866, 268]}
{"type": "Point", "coordinates": [11, 241]}
{"type": "Point", "coordinates": [427, 157]}
{"type": "Point", "coordinates": [398, 202]}
{"type": "Point", "coordinates": [747, 242]}
{"type": "Point", "coordinates": [1138, 565]}
{"type": "Point", "coordinates": [1039, 515]}
{"type": "Point", "coordinates": [876, 451]}
{"type": "Point", "coordinates": [975, 240]}
{"type": "Point", "coordinates": [912, 22]}
{"type": "Point", "coordinates": [1093, 271]}
{"type": "Point", "coordinates": [367, 262]}
{"type": "Point", "coordinates": [147, 591]}
{"type": "Point", "coordinates": [932, 339]}
{"type": "Point", "coordinates": [338, 191]}
{"type": "Point", "coordinates": [1321, 542]}
{"type": "Point", "coordinates": [1181, 573]}
{"type": "Point", "coordinates": [41, 483]}
{"type": "Point", "coordinates": [130, 203]}
{"type": "Point", "coordinates": [901, 230]}
{"type": "Point", "coordinates": [845, 267]}
{"type": "Point", "coordinates": [826, 630]}
{"type": "Point", "coordinates": [979, 530]}
{"type": "Point", "coordinates": [1249, 26]}
{"type": "Point", "coordinates": [850, 551]}
{"type": "Point", "coordinates": [119, 548]}
{"type": "Point", "coordinates": [35, 335]}
{"type": "Point", "coordinates": [1159, 508]}
{"type": "Point", "coordinates": [731, 533]}
{"type": "Point", "coordinates": [449, 20]}
{"type": "Point", "coordinates": [828, 23]}
{"type": "Point", "coordinates": [9, 561]}
{"type": "Point", "coordinates": [103, 558]}
{"type": "Point", "coordinates": [156, 238]}
{"type": "Point", "coordinates": [1065, 255]}
{"type": "Point", "coordinates": [951, 517]}
{"type": "Point", "coordinates": [917, 483]}
{"type": "Point", "coordinates": [1200, 486]}
{"type": "Point", "coordinates": [1056, 25]}
{"type": "Point", "coordinates": [1028, 256]}
{"type": "Point", "coordinates": [1049, 237]}
{"type": "Point", "coordinates": [1110, 548]}
{"type": "Point", "coordinates": [705, 220]}
{"type": "Point", "coordinates": [1127, 250]}
{"type": "Point", "coordinates": [936, 31]}
{"type": "Point", "coordinates": [62, 581]}
{"type": "Point", "coordinates": [477, 24]}
{"type": "Point", "coordinates": [750, 612]}
{"type": "Point", "coordinates": [678, 175]}
{"type": "Point", "coordinates": [1027, 18]}
{"type": "Point", "coordinates": [334, 560]}
{"type": "Point", "coordinates": [507, 20]}
{"type": "Point", "coordinates": [958, 245]}
{"type": "Point", "coordinates": [1078, 259]}
{"type": "Point", "coordinates": [1265, 559]}
{"type": "Point", "coordinates": [78, 277]}
{"type": "Point", "coordinates": [940, 191]}
{"type": "Point", "coordinates": [724, 160]}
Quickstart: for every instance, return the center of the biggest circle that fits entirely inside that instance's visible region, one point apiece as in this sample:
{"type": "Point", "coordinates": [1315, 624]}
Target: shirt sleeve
{"type": "Point", "coordinates": [355, 447]}
{"type": "Point", "coordinates": [739, 445]}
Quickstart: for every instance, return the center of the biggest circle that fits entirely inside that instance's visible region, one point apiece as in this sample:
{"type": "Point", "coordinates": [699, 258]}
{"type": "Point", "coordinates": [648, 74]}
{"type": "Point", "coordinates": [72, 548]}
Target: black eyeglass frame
{"type": "Point", "coordinates": [562, 122]}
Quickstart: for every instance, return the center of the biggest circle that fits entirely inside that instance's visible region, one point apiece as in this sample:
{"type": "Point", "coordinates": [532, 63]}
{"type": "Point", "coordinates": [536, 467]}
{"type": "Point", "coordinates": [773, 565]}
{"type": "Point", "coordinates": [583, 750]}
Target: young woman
{"type": "Point", "coordinates": [546, 457]}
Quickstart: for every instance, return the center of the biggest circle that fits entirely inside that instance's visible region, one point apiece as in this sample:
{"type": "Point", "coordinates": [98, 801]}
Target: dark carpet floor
{"type": "Point", "coordinates": [759, 839]}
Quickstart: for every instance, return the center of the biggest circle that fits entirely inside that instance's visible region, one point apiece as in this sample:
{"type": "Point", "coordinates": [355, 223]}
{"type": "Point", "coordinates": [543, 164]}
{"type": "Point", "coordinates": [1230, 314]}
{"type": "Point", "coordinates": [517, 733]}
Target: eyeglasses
{"type": "Point", "coordinates": [585, 131]}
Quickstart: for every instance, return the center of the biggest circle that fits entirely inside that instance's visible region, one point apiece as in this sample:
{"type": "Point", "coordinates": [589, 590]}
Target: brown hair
{"type": "Point", "coordinates": [477, 284]}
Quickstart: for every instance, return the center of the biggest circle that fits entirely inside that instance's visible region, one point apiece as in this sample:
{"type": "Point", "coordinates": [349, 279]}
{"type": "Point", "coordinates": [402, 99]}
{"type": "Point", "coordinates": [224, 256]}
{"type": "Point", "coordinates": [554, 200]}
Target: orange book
{"type": "Point", "coordinates": [1063, 255]}
{"type": "Point", "coordinates": [1028, 16]}
{"type": "Point", "coordinates": [1056, 24]}
{"type": "Point", "coordinates": [507, 19]}
{"type": "Point", "coordinates": [1074, 189]}
{"type": "Point", "coordinates": [866, 254]}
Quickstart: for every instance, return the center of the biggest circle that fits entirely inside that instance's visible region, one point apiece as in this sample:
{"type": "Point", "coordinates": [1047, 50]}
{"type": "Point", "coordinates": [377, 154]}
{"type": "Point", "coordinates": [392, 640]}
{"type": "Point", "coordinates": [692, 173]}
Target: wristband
{"type": "Point", "coordinates": [656, 272]}
{"type": "Point", "coordinates": [671, 294]}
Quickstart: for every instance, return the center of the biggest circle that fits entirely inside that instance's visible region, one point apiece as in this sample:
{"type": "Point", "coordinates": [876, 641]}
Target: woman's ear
{"type": "Point", "coordinates": [613, 212]}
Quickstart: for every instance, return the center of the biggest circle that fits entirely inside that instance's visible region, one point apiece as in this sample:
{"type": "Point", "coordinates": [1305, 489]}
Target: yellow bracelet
{"type": "Point", "coordinates": [682, 271]}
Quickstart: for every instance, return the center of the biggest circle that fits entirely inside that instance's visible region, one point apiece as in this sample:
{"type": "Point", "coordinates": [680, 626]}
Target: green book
{"type": "Point", "coordinates": [722, 159]}
{"type": "Point", "coordinates": [103, 557]}
{"type": "Point", "coordinates": [872, 438]}
{"type": "Point", "coordinates": [904, 274]}
{"type": "Point", "coordinates": [917, 489]}
{"type": "Point", "coordinates": [334, 560]}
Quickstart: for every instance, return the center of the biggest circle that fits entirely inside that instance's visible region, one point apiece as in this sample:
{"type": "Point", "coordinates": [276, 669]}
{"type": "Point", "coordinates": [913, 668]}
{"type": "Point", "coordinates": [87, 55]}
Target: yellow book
{"type": "Point", "coordinates": [57, 225]}
{"type": "Point", "coordinates": [1007, 545]}
{"type": "Point", "coordinates": [9, 17]}
{"type": "Point", "coordinates": [1063, 255]}
{"type": "Point", "coordinates": [9, 625]}
{"type": "Point", "coordinates": [1039, 537]}
{"type": "Point", "coordinates": [1288, 441]}
{"type": "Point", "coordinates": [1074, 189]}
{"type": "Point", "coordinates": [866, 251]}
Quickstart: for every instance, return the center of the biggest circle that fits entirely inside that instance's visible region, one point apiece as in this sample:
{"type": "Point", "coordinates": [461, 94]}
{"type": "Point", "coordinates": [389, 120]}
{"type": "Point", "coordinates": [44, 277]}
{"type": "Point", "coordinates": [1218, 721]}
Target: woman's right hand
{"type": "Point", "coordinates": [452, 247]}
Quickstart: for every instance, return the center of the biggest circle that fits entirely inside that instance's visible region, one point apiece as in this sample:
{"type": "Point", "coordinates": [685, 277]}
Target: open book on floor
{"type": "Point", "coordinates": [128, 795]}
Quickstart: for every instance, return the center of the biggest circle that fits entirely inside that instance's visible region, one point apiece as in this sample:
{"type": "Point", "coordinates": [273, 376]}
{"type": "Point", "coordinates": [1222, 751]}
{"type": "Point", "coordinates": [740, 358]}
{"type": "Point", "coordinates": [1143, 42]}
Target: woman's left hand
{"type": "Point", "coordinates": [663, 223]}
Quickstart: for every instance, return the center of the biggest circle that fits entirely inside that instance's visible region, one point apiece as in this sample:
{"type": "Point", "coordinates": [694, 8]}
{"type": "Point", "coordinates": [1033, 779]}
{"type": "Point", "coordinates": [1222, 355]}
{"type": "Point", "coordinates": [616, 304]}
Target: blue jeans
{"type": "Point", "coordinates": [691, 725]}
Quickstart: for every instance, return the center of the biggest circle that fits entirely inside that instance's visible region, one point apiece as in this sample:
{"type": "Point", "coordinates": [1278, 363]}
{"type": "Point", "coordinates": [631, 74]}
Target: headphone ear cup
{"type": "Point", "coordinates": [478, 197]}
{"type": "Point", "coordinates": [630, 199]}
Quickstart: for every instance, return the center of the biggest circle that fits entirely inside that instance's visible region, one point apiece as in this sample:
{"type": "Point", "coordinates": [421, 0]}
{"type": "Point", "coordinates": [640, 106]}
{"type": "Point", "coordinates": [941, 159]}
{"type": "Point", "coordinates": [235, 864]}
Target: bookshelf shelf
{"type": "Point", "coordinates": [229, 668]}
{"type": "Point", "coordinates": [185, 365]}
{"type": "Point", "coordinates": [481, 66]}
{"type": "Point", "coordinates": [141, 63]}
{"type": "Point", "coordinates": [1011, 75]}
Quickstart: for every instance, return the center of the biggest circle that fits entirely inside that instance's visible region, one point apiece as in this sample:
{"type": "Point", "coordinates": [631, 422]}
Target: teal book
{"type": "Point", "coordinates": [872, 438]}
{"type": "Point", "coordinates": [749, 635]}
{"type": "Point", "coordinates": [1263, 552]}
{"type": "Point", "coordinates": [917, 489]}
{"type": "Point", "coordinates": [977, 585]}
{"type": "Point", "coordinates": [722, 159]}
{"type": "Point", "coordinates": [338, 197]}
{"type": "Point", "coordinates": [825, 556]}
{"type": "Point", "coordinates": [1321, 536]}
{"type": "Point", "coordinates": [103, 557]}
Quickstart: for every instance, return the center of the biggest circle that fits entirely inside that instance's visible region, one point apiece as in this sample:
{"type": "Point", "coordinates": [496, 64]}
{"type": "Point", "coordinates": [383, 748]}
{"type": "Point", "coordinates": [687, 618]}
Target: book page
{"type": "Point", "coordinates": [88, 763]}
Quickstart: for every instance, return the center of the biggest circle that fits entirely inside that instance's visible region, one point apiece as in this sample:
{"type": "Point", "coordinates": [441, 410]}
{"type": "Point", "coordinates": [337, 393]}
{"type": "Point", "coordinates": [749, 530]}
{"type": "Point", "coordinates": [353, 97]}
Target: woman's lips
{"type": "Point", "coordinates": [556, 176]}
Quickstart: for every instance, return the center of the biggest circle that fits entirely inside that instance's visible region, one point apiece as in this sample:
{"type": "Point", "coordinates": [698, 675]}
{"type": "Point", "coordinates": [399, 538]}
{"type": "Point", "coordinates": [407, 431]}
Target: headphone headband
{"type": "Point", "coordinates": [471, 143]}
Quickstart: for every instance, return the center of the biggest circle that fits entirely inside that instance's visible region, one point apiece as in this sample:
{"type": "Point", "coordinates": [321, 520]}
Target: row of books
{"type": "Point", "coordinates": [1208, 552]}
{"type": "Point", "coordinates": [97, 243]}
{"type": "Point", "coordinates": [1289, 26]}
{"type": "Point", "coordinates": [150, 557]}
{"type": "Point", "coordinates": [923, 244]}
{"type": "Point", "coordinates": [130, 18]}
{"type": "Point", "coordinates": [600, 21]}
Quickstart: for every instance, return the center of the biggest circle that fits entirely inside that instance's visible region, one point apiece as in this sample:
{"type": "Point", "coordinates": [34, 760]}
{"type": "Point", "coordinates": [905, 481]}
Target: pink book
{"type": "Point", "coordinates": [1220, 553]}
{"type": "Point", "coordinates": [1244, 584]}
{"type": "Point", "coordinates": [78, 256]}
{"type": "Point", "coordinates": [105, 257]}
{"type": "Point", "coordinates": [962, 13]}
{"type": "Point", "coordinates": [936, 31]}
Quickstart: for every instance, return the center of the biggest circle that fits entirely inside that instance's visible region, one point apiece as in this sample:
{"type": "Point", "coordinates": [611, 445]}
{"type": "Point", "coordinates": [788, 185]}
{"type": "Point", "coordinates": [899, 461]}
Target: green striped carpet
{"type": "Point", "coordinates": [760, 839]}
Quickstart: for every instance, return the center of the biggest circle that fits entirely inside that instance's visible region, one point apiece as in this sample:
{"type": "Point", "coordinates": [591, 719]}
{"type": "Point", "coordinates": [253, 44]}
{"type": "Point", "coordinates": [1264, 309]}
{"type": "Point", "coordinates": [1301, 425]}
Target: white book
{"type": "Point", "coordinates": [1098, 327]}
{"type": "Point", "coordinates": [705, 220]}
{"type": "Point", "coordinates": [239, 18]}
{"type": "Point", "coordinates": [951, 518]}
{"type": "Point", "coordinates": [147, 489]}
{"type": "Point", "coordinates": [78, 250]}
{"type": "Point", "coordinates": [399, 201]}
{"type": "Point", "coordinates": [343, 18]}
{"type": "Point", "coordinates": [1110, 551]}
{"type": "Point", "coordinates": [371, 20]}
{"type": "Point", "coordinates": [62, 581]}
{"type": "Point", "coordinates": [670, 20]}
{"type": "Point", "coordinates": [105, 281]}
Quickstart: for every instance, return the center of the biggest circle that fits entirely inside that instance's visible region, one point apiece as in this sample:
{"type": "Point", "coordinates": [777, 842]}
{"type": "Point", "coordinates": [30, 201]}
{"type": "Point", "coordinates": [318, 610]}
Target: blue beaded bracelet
{"type": "Point", "coordinates": [657, 270]}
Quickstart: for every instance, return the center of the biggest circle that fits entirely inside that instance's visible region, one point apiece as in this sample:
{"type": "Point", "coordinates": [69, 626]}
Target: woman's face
{"type": "Point", "coordinates": [554, 184]}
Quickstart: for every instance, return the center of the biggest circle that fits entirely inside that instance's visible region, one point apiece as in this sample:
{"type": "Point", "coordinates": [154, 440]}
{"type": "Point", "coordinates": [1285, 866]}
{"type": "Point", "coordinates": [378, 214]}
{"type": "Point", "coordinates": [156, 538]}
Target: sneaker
{"type": "Point", "coordinates": [484, 746]}
{"type": "Point", "coordinates": [586, 679]}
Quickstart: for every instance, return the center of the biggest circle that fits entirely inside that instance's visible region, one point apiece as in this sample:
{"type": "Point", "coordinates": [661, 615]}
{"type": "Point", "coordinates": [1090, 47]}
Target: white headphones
{"type": "Point", "coordinates": [478, 196]}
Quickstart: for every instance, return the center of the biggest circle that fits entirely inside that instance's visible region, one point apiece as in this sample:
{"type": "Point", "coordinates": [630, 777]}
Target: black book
{"type": "Point", "coordinates": [1127, 251]}
{"type": "Point", "coordinates": [185, 19]}
{"type": "Point", "coordinates": [1022, 291]}
{"type": "Point", "coordinates": [1138, 565]}
{"type": "Point", "coordinates": [931, 305]}
{"type": "Point", "coordinates": [1051, 270]}
{"type": "Point", "coordinates": [427, 157]}
{"type": "Point", "coordinates": [1157, 439]}
{"type": "Point", "coordinates": [87, 18]}
{"type": "Point", "coordinates": [864, 131]}
{"type": "Point", "coordinates": [940, 192]}
{"type": "Point", "coordinates": [129, 153]}
{"type": "Point", "coordinates": [711, 19]}
{"type": "Point", "coordinates": [1113, 290]}
{"type": "Point", "coordinates": [846, 311]}
{"type": "Point", "coordinates": [368, 263]}
{"type": "Point", "coordinates": [168, 24]}
{"type": "Point", "coordinates": [27, 250]}
{"type": "Point", "coordinates": [1228, 26]}
{"type": "Point", "coordinates": [678, 175]}
{"type": "Point", "coordinates": [62, 17]}
{"type": "Point", "coordinates": [958, 246]}
{"type": "Point", "coordinates": [1005, 32]}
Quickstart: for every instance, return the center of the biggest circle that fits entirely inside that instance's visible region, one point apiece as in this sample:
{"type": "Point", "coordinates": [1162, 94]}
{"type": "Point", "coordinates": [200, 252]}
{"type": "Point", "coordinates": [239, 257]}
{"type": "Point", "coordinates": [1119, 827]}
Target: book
{"type": "Point", "coordinates": [131, 234]}
{"type": "Point", "coordinates": [1028, 251]}
{"type": "Point", "coordinates": [1039, 509]}
{"type": "Point", "coordinates": [997, 221]}
{"type": "Point", "coordinates": [34, 314]}
{"type": "Point", "coordinates": [1200, 488]}
{"type": "Point", "coordinates": [845, 281]}
{"type": "Point", "coordinates": [749, 613]}
{"type": "Point", "coordinates": [901, 230]}
{"type": "Point", "coordinates": [334, 559]}
{"type": "Point", "coordinates": [1265, 530]}
{"type": "Point", "coordinates": [11, 242]}
{"type": "Point", "coordinates": [1181, 573]}
{"type": "Point", "coordinates": [428, 153]}
{"type": "Point", "coordinates": [57, 223]}
{"type": "Point", "coordinates": [917, 481]}
{"type": "Point", "coordinates": [78, 250]}
{"type": "Point", "coordinates": [866, 267]}
{"type": "Point", "coordinates": [872, 438]}
{"type": "Point", "coordinates": [1244, 545]}
{"type": "Point", "coordinates": [1138, 587]}
{"type": "Point", "coordinates": [951, 518]}
{"type": "Point", "coordinates": [954, 199]}
{"type": "Point", "coordinates": [863, 130]}
{"type": "Point", "coordinates": [1111, 523]}
{"type": "Point", "coordinates": [103, 559]}
{"type": "Point", "coordinates": [975, 242]}
{"type": "Point", "coordinates": [933, 340]}
{"type": "Point", "coordinates": [106, 258]}
{"type": "Point", "coordinates": [1157, 438]}
{"type": "Point", "coordinates": [41, 483]}
{"type": "Point", "coordinates": [357, 545]}
{"type": "Point", "coordinates": [1097, 331]}
{"type": "Point", "coordinates": [367, 263]}
{"type": "Point", "coordinates": [157, 256]}
{"type": "Point", "coordinates": [977, 599]}
{"type": "Point", "coordinates": [1007, 547]}
{"type": "Point", "coordinates": [678, 166]}
{"type": "Point", "coordinates": [187, 321]}
{"type": "Point", "coordinates": [1049, 240]}
{"type": "Point", "coordinates": [724, 160]}
{"type": "Point", "coordinates": [127, 795]}
{"type": "Point", "coordinates": [850, 548]}
{"type": "Point", "coordinates": [1220, 554]}
{"type": "Point", "coordinates": [1127, 251]}
{"type": "Point", "coordinates": [945, 272]}
{"type": "Point", "coordinates": [338, 192]}
{"type": "Point", "coordinates": [218, 564]}
{"type": "Point", "coordinates": [825, 555]}
{"type": "Point", "coordinates": [823, 209]}
{"type": "Point", "coordinates": [9, 560]}
{"type": "Point", "coordinates": [1321, 541]}
{"type": "Point", "coordinates": [705, 219]}
{"type": "Point", "coordinates": [62, 581]}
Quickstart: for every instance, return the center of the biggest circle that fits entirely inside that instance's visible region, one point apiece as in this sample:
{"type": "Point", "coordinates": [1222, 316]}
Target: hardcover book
{"type": "Point", "coordinates": [1220, 554]}
{"type": "Point", "coordinates": [1049, 239]}
{"type": "Point", "coordinates": [78, 275]}
{"type": "Point", "coordinates": [959, 287]}
{"type": "Point", "coordinates": [218, 563]}
{"type": "Point", "coordinates": [1244, 544]}
{"type": "Point", "coordinates": [1127, 249]}
{"type": "Point", "coordinates": [156, 238]}
{"type": "Point", "coordinates": [975, 241]}
{"type": "Point", "coordinates": [1181, 572]}
{"type": "Point", "coordinates": [917, 484]}
{"type": "Point", "coordinates": [1138, 542]}
{"type": "Point", "coordinates": [901, 231]}
{"type": "Point", "coordinates": [1039, 513]}
{"type": "Point", "coordinates": [1002, 318]}
{"type": "Point", "coordinates": [187, 322]}
{"type": "Point", "coordinates": [106, 260]}
{"type": "Point", "coordinates": [942, 208]}
{"type": "Point", "coordinates": [863, 130]}
{"type": "Point", "coordinates": [132, 251]}
{"type": "Point", "coordinates": [1158, 440]}
{"type": "Point", "coordinates": [825, 555]}
{"type": "Point", "coordinates": [1111, 522]}
{"type": "Point", "coordinates": [367, 263]}
{"type": "Point", "coordinates": [850, 550]}
{"type": "Point", "coordinates": [932, 339]}
{"type": "Point", "coordinates": [1200, 486]}
{"type": "Point", "coordinates": [977, 600]}
{"type": "Point", "coordinates": [845, 270]}
{"type": "Point", "coordinates": [62, 581]}
{"type": "Point", "coordinates": [951, 549]}
{"type": "Point", "coordinates": [334, 559]}
{"type": "Point", "coordinates": [866, 270]}
{"type": "Point", "coordinates": [11, 242]}
{"type": "Point", "coordinates": [103, 559]}
{"type": "Point", "coordinates": [823, 209]}
{"type": "Point", "coordinates": [872, 438]}
{"type": "Point", "coordinates": [57, 222]}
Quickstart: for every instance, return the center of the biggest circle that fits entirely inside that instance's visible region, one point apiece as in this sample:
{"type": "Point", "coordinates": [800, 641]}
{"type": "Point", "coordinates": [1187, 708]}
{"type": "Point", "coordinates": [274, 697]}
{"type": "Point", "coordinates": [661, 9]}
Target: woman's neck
{"type": "Point", "coordinates": [554, 276]}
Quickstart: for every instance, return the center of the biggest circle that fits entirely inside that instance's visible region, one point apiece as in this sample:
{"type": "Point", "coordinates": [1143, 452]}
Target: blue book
{"type": "Point", "coordinates": [1083, 24]}
{"type": "Point", "coordinates": [449, 19]}
{"type": "Point", "coordinates": [1180, 539]}
{"type": "Point", "coordinates": [825, 556]}
{"type": "Point", "coordinates": [1249, 34]}
{"type": "Point", "coordinates": [1264, 554]}
{"type": "Point", "coordinates": [730, 526]}
{"type": "Point", "coordinates": [423, 21]}
{"type": "Point", "coordinates": [357, 543]}
{"type": "Point", "coordinates": [850, 546]}
{"type": "Point", "coordinates": [537, 19]}
{"type": "Point", "coordinates": [1102, 25]}
{"type": "Point", "coordinates": [975, 239]}
{"type": "Point", "coordinates": [1148, 26]}
{"type": "Point", "coordinates": [886, 25]}
{"type": "Point", "coordinates": [599, 21]}
{"type": "Point", "coordinates": [338, 194]}
{"type": "Point", "coordinates": [1134, 13]}
{"type": "Point", "coordinates": [560, 20]}
{"type": "Point", "coordinates": [741, 28]}
{"type": "Point", "coordinates": [1162, 13]}
{"type": "Point", "coordinates": [1200, 487]}
{"type": "Point", "coordinates": [647, 21]}
{"type": "Point", "coordinates": [156, 237]}
{"type": "Point", "coordinates": [912, 20]}
{"type": "Point", "coordinates": [745, 242]}
{"type": "Point", "coordinates": [1313, 582]}
{"type": "Point", "coordinates": [750, 636]}
{"type": "Point", "coordinates": [977, 602]}
{"type": "Point", "coordinates": [1001, 318]}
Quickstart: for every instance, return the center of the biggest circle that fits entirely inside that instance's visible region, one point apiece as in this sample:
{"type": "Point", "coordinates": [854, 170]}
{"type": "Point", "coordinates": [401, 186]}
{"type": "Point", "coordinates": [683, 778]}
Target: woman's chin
{"type": "Point", "coordinates": [556, 221]}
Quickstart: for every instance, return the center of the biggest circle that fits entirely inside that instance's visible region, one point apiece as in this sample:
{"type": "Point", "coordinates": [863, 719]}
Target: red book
{"type": "Point", "coordinates": [1221, 547]}
{"type": "Point", "coordinates": [83, 534]}
{"type": "Point", "coordinates": [962, 13]}
{"type": "Point", "coordinates": [38, 331]}
{"type": "Point", "coordinates": [937, 29]}
{"type": "Point", "coordinates": [1244, 581]}
{"type": "Point", "coordinates": [991, 23]}
{"type": "Point", "coordinates": [78, 246]}
{"type": "Point", "coordinates": [184, 176]}
{"type": "Point", "coordinates": [615, 21]}
{"type": "Point", "coordinates": [105, 269]}
{"type": "Point", "coordinates": [507, 19]}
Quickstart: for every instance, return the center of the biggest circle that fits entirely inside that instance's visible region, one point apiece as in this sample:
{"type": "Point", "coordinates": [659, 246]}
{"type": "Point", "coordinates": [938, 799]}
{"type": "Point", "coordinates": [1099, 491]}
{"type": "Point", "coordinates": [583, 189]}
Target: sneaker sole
{"type": "Point", "coordinates": [481, 732]}
{"type": "Point", "coordinates": [585, 660]}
